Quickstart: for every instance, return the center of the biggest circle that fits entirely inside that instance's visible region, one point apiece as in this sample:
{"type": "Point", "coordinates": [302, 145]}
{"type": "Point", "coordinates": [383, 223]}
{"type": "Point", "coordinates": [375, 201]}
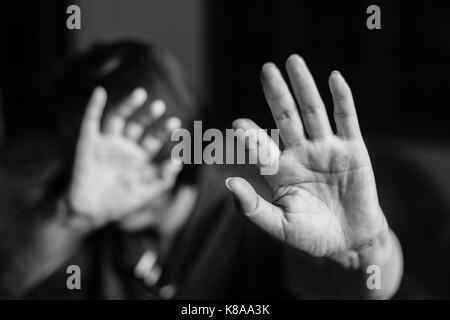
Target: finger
{"type": "Point", "coordinates": [312, 109]}
{"type": "Point", "coordinates": [114, 125]}
{"type": "Point", "coordinates": [135, 127]}
{"type": "Point", "coordinates": [165, 178]}
{"type": "Point", "coordinates": [169, 170]}
{"type": "Point", "coordinates": [132, 102]}
{"type": "Point", "coordinates": [94, 111]}
{"type": "Point", "coordinates": [134, 131]}
{"type": "Point", "coordinates": [263, 151]}
{"type": "Point", "coordinates": [282, 105]}
{"type": "Point", "coordinates": [154, 140]}
{"type": "Point", "coordinates": [155, 111]}
{"type": "Point", "coordinates": [264, 214]}
{"type": "Point", "coordinates": [344, 108]}
{"type": "Point", "coordinates": [116, 122]}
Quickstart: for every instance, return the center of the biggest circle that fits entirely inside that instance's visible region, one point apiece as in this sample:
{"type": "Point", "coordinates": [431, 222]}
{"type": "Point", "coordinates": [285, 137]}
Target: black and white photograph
{"type": "Point", "coordinates": [224, 154]}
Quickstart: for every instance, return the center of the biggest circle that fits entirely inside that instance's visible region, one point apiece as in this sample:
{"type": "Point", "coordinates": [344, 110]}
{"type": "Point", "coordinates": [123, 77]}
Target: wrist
{"type": "Point", "coordinates": [376, 251]}
{"type": "Point", "coordinates": [76, 221]}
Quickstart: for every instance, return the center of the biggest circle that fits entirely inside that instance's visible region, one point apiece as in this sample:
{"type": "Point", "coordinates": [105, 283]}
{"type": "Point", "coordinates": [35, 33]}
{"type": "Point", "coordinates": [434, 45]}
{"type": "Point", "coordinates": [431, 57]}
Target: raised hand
{"type": "Point", "coordinates": [113, 172]}
{"type": "Point", "coordinates": [324, 198]}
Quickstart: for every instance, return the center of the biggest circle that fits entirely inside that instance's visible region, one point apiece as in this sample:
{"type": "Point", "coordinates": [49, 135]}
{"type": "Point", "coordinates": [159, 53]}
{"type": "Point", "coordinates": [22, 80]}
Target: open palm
{"type": "Point", "coordinates": [324, 198]}
{"type": "Point", "coordinates": [113, 173]}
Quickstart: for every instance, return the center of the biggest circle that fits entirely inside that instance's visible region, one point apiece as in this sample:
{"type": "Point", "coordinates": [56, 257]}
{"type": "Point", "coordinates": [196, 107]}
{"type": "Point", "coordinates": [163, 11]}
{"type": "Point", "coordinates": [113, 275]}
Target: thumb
{"type": "Point", "coordinates": [94, 111]}
{"type": "Point", "coordinates": [261, 212]}
{"type": "Point", "coordinates": [90, 126]}
{"type": "Point", "coordinates": [245, 197]}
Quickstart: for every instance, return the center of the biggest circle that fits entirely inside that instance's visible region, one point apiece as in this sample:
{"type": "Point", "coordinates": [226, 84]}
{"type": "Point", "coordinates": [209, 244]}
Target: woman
{"type": "Point", "coordinates": [139, 229]}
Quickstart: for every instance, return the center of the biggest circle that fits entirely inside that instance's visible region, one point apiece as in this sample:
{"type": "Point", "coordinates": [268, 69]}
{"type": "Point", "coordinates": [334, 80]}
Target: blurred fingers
{"type": "Point", "coordinates": [169, 171]}
{"type": "Point", "coordinates": [142, 119]}
{"type": "Point", "coordinates": [135, 100]}
{"type": "Point", "coordinates": [116, 122]}
{"type": "Point", "coordinates": [94, 111]}
{"type": "Point", "coordinates": [156, 136]}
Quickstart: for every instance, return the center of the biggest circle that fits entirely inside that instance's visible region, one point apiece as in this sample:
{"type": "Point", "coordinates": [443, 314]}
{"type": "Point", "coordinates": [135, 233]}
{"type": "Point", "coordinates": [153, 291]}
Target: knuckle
{"type": "Point", "coordinates": [284, 115]}
{"type": "Point", "coordinates": [344, 114]}
{"type": "Point", "coordinates": [309, 109]}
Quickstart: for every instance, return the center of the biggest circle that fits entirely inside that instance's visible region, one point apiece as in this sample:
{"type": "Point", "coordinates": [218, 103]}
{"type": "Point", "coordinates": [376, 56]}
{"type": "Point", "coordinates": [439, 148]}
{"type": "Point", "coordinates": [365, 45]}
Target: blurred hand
{"type": "Point", "coordinates": [324, 198]}
{"type": "Point", "coordinates": [113, 172]}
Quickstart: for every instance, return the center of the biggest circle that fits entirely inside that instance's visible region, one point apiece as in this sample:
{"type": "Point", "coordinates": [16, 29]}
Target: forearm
{"type": "Point", "coordinates": [32, 249]}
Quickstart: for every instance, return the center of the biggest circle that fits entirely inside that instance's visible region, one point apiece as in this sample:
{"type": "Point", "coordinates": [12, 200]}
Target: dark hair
{"type": "Point", "coordinates": [119, 67]}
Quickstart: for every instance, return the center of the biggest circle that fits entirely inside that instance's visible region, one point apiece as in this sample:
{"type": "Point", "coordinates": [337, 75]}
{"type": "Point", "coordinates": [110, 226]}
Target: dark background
{"type": "Point", "coordinates": [399, 76]}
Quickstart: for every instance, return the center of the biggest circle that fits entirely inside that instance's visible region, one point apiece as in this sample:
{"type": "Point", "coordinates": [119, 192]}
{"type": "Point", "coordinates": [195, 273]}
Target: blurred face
{"type": "Point", "coordinates": [120, 80]}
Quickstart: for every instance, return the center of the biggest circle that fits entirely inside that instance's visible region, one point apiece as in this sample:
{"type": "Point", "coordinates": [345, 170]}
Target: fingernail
{"type": "Point", "coordinates": [296, 57]}
{"type": "Point", "coordinates": [335, 72]}
{"type": "Point", "coordinates": [158, 108]}
{"type": "Point", "coordinates": [238, 123]}
{"type": "Point", "coordinates": [140, 94]}
{"type": "Point", "coordinates": [269, 66]}
{"type": "Point", "coordinates": [227, 183]}
{"type": "Point", "coordinates": [173, 123]}
{"type": "Point", "coordinates": [151, 143]}
{"type": "Point", "coordinates": [98, 91]}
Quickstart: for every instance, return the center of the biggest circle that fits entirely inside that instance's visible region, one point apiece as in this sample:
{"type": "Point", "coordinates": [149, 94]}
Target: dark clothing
{"type": "Point", "coordinates": [218, 254]}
